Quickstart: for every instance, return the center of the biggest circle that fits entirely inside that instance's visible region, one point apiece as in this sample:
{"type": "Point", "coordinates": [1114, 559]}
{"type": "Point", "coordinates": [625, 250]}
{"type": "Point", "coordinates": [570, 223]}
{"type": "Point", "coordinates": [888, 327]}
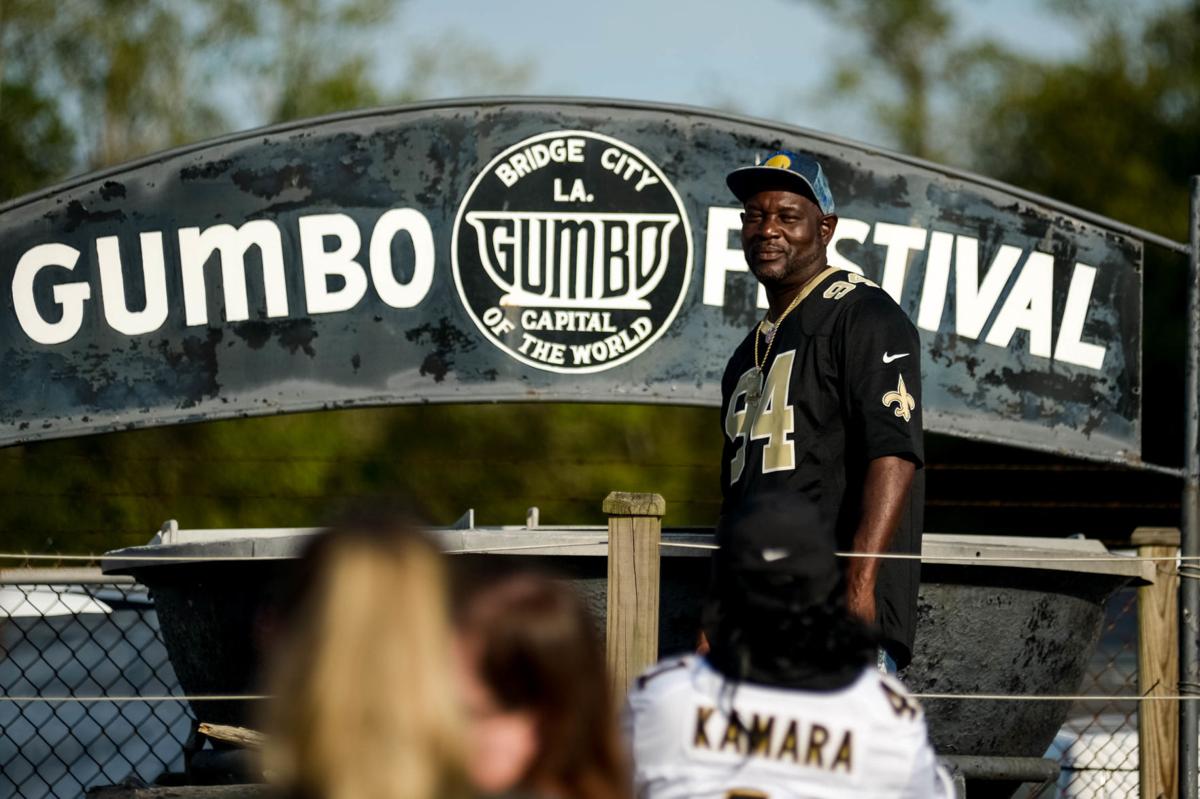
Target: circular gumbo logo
{"type": "Point", "coordinates": [572, 251]}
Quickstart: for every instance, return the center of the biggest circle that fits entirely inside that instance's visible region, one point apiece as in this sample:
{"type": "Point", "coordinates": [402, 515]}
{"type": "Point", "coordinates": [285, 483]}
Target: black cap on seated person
{"type": "Point", "coordinates": [771, 554]}
{"type": "Point", "coordinates": [777, 612]}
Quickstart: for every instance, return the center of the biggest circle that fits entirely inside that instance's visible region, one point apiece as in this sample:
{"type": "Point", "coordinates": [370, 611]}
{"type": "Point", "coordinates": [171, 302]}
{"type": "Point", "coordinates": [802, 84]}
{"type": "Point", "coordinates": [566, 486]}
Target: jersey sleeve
{"type": "Point", "coordinates": [904, 757]}
{"type": "Point", "coordinates": [929, 778]}
{"type": "Point", "coordinates": [651, 722]}
{"type": "Point", "coordinates": [881, 372]}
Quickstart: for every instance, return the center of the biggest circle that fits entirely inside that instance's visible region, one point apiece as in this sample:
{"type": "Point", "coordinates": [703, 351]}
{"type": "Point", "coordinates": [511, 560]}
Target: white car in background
{"type": "Point", "coordinates": [38, 601]}
{"type": "Point", "coordinates": [1099, 758]}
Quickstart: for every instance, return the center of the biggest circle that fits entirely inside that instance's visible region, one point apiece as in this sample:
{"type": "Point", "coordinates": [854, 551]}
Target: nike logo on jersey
{"type": "Point", "coordinates": [889, 358]}
{"type": "Point", "coordinates": [772, 555]}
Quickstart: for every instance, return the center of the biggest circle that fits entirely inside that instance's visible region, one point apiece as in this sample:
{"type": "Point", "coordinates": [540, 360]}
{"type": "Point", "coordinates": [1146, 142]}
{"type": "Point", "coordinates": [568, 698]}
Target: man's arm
{"type": "Point", "coordinates": [884, 497]}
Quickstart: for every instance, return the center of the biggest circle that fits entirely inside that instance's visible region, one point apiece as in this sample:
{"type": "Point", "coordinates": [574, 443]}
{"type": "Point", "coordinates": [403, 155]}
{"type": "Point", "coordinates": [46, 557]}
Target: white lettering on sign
{"type": "Point", "coordinates": [535, 156]}
{"type": "Point", "coordinates": [847, 229]}
{"type": "Point", "coordinates": [69, 296]}
{"type": "Point", "coordinates": [899, 241]}
{"type": "Point", "coordinates": [628, 167]}
{"type": "Point", "coordinates": [1071, 347]}
{"type": "Point", "coordinates": [330, 244]}
{"type": "Point", "coordinates": [112, 285]}
{"type": "Point", "coordinates": [974, 301]}
{"type": "Point", "coordinates": [720, 258]}
{"type": "Point", "coordinates": [937, 279]}
{"type": "Point", "coordinates": [610, 347]}
{"type": "Point", "coordinates": [335, 280]}
{"type": "Point", "coordinates": [320, 263]}
{"type": "Point", "coordinates": [196, 248]}
{"type": "Point", "coordinates": [1029, 305]}
{"type": "Point", "coordinates": [389, 289]}
{"type": "Point", "coordinates": [553, 259]}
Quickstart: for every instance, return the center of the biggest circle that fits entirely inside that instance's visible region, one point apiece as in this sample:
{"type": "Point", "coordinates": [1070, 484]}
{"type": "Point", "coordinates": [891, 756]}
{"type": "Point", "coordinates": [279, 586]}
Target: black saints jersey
{"type": "Point", "coordinates": [838, 385]}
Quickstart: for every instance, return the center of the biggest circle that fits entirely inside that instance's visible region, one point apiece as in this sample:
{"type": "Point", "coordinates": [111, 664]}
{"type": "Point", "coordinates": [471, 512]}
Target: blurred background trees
{"type": "Point", "coordinates": [1114, 129]}
{"type": "Point", "coordinates": [84, 85]}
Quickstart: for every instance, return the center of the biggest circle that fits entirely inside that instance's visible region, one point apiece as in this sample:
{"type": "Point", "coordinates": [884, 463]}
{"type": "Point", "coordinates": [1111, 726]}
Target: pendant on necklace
{"type": "Point", "coordinates": [753, 385]}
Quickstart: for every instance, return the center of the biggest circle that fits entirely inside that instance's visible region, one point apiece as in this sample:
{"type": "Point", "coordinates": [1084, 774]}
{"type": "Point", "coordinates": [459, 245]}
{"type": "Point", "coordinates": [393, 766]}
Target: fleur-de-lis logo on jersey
{"type": "Point", "coordinates": [905, 403]}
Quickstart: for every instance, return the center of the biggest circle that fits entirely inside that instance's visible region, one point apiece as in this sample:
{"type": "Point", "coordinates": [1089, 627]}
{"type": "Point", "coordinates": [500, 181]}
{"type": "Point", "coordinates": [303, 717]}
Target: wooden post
{"type": "Point", "coordinates": [1158, 665]}
{"type": "Point", "coordinates": [634, 533]}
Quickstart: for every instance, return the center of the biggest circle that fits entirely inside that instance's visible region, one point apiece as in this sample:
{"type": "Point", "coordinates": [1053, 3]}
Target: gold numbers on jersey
{"type": "Point", "coordinates": [902, 705]}
{"type": "Point", "coordinates": [776, 420]}
{"type": "Point", "coordinates": [771, 418]}
{"type": "Point", "coordinates": [840, 288]}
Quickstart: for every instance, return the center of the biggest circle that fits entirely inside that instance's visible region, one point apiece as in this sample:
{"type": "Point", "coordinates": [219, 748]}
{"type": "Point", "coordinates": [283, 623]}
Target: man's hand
{"type": "Point", "coordinates": [885, 495]}
{"type": "Point", "coordinates": [702, 644]}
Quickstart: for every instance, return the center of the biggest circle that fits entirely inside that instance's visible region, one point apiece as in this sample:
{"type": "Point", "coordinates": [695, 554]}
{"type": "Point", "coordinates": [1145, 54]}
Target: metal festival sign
{"type": "Point", "coordinates": [531, 250]}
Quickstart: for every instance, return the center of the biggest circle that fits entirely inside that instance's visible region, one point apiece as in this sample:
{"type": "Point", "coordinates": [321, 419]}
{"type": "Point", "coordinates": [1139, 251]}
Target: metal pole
{"type": "Point", "coordinates": [1189, 593]}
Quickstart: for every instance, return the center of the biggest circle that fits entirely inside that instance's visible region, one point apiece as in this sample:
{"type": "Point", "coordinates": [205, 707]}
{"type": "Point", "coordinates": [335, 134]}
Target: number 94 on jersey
{"type": "Point", "coordinates": [762, 411]}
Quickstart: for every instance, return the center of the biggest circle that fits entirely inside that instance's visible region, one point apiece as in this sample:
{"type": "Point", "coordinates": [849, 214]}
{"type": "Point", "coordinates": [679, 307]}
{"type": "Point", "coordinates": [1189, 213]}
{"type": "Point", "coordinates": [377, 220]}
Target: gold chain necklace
{"type": "Point", "coordinates": [758, 333]}
{"type": "Point", "coordinates": [804, 292]}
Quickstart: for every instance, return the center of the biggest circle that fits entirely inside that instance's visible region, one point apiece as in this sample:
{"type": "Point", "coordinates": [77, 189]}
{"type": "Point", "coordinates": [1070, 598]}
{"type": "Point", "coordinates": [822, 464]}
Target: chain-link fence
{"type": "Point", "coordinates": [84, 636]}
{"type": "Point", "coordinates": [100, 638]}
{"type": "Point", "coordinates": [1097, 747]}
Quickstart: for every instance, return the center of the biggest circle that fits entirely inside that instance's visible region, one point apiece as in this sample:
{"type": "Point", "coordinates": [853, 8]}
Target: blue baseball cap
{"type": "Point", "coordinates": [783, 169]}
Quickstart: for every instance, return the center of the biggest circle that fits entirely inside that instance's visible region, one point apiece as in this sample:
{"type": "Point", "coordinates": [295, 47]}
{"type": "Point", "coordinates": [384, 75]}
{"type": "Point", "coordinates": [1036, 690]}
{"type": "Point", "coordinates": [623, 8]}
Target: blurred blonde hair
{"type": "Point", "coordinates": [364, 704]}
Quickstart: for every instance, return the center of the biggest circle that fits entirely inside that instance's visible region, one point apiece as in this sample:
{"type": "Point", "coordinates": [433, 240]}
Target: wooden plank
{"type": "Point", "coordinates": [1155, 537]}
{"type": "Point", "coordinates": [634, 534]}
{"type": "Point", "coordinates": [625, 503]}
{"type": "Point", "coordinates": [1158, 669]}
{"type": "Point", "coordinates": [183, 792]}
{"type": "Point", "coordinates": [241, 736]}
{"type": "Point", "coordinates": [1054, 554]}
{"type": "Point", "coordinates": [61, 576]}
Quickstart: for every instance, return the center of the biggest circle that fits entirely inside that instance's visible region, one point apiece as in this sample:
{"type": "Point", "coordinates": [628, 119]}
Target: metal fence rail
{"type": "Point", "coordinates": [91, 637]}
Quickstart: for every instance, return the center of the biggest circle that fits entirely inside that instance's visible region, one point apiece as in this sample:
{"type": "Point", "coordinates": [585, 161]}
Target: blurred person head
{"type": "Point", "coordinates": [777, 611]}
{"type": "Point", "coordinates": [541, 713]}
{"type": "Point", "coordinates": [364, 702]}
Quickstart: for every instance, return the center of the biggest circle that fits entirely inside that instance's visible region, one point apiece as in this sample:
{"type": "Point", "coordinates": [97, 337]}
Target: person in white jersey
{"type": "Point", "coordinates": [788, 701]}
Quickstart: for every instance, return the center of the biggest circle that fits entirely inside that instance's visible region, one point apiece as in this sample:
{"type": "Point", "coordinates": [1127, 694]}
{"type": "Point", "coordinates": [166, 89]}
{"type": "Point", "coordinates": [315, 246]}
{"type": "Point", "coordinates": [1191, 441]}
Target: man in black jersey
{"type": "Point", "coordinates": [823, 398]}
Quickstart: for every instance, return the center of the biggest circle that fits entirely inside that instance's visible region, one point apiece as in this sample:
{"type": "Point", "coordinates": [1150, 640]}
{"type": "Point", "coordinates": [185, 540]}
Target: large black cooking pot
{"type": "Point", "coordinates": [1024, 626]}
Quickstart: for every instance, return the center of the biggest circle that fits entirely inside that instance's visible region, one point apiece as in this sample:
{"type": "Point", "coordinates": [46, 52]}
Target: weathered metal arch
{"type": "Point", "coordinates": [533, 249]}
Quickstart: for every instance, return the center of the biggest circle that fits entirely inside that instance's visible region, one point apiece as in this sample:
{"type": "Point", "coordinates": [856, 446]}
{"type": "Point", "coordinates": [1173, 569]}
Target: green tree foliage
{"type": "Point", "coordinates": [121, 72]}
{"type": "Point", "coordinates": [35, 144]}
{"type": "Point", "coordinates": [1115, 130]}
{"type": "Point", "coordinates": [127, 78]}
{"type": "Point", "coordinates": [95, 493]}
{"type": "Point", "coordinates": [901, 57]}
{"type": "Point", "coordinates": [92, 84]}
{"type": "Point", "coordinates": [304, 57]}
{"type": "Point", "coordinates": [454, 65]}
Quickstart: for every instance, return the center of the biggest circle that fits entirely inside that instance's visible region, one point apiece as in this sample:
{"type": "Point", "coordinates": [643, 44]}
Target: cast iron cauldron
{"type": "Point", "coordinates": [1027, 626]}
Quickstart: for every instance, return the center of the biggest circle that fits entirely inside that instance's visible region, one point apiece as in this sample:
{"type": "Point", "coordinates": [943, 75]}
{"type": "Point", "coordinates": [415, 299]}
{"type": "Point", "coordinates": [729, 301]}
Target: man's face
{"type": "Point", "coordinates": [784, 236]}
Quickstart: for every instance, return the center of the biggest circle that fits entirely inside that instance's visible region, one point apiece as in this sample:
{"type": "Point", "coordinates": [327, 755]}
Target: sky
{"type": "Point", "coordinates": [766, 58]}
